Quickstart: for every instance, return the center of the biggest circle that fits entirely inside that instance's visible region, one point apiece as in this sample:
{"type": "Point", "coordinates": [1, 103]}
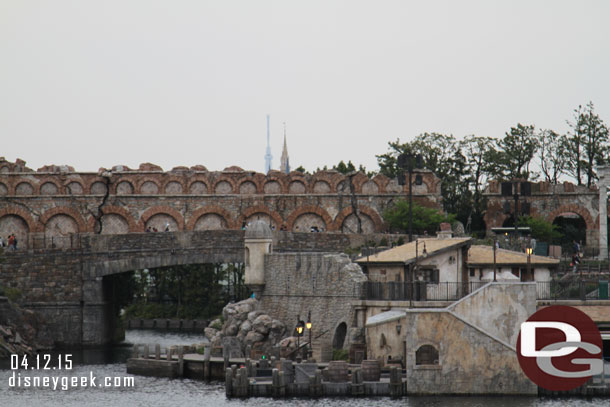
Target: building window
{"type": "Point", "coordinates": [426, 355]}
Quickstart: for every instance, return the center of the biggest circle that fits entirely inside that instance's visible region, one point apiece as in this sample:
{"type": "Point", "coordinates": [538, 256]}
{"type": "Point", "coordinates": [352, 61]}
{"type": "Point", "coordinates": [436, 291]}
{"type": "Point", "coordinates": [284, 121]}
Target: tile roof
{"type": "Point", "coordinates": [484, 255]}
{"type": "Point", "coordinates": [406, 252]}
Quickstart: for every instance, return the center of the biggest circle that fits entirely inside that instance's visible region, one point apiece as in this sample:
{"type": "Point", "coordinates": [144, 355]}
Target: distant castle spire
{"type": "Point", "coordinates": [285, 165]}
{"type": "Point", "coordinates": [268, 155]}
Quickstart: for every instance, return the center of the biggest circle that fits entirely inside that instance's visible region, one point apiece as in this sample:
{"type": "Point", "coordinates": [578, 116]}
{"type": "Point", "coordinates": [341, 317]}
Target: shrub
{"type": "Point", "coordinates": [340, 354]}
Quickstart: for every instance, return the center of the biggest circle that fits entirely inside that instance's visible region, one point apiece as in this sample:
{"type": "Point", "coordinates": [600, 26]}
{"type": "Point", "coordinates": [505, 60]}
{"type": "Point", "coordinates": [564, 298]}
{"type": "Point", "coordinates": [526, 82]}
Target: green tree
{"type": "Point", "coordinates": [516, 151]}
{"type": "Point", "coordinates": [587, 143]}
{"type": "Point", "coordinates": [553, 155]}
{"type": "Point", "coordinates": [541, 229]}
{"type": "Point", "coordinates": [424, 219]}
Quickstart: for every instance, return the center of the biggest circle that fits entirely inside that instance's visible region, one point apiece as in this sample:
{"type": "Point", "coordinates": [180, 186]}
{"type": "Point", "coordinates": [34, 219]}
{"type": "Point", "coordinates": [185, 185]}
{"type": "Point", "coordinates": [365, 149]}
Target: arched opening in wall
{"type": "Point", "coordinates": [58, 231]}
{"type": "Point", "coordinates": [211, 221]}
{"type": "Point", "coordinates": [3, 189]}
{"type": "Point", "coordinates": [309, 222]}
{"type": "Point", "coordinates": [350, 224]}
{"type": "Point", "coordinates": [426, 355]}
{"type": "Point", "coordinates": [339, 336]}
{"type": "Point", "coordinates": [572, 227]}
{"type": "Point", "coordinates": [14, 224]}
{"type": "Point", "coordinates": [161, 222]}
{"type": "Point", "coordinates": [264, 217]}
{"type": "Point", "coordinates": [114, 224]}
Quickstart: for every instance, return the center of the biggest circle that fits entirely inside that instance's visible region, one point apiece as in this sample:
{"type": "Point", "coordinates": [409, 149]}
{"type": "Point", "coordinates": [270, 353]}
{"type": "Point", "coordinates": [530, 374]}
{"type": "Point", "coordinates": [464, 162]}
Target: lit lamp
{"type": "Point", "coordinates": [299, 328]}
{"type": "Point", "coordinates": [308, 326]}
{"type": "Point", "coordinates": [529, 251]}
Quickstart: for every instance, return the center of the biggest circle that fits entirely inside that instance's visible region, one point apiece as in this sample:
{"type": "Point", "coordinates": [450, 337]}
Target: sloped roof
{"type": "Point", "coordinates": [406, 252]}
{"type": "Point", "coordinates": [482, 255]}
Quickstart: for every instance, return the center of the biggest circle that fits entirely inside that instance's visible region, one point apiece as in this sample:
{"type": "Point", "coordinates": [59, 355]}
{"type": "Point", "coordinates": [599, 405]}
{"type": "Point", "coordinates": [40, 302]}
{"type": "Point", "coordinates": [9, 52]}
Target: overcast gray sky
{"type": "Point", "coordinates": [98, 83]}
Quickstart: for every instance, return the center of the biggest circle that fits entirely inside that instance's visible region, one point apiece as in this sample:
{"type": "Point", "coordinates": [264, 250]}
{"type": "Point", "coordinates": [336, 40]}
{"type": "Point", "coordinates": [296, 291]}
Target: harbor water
{"type": "Point", "coordinates": [160, 392]}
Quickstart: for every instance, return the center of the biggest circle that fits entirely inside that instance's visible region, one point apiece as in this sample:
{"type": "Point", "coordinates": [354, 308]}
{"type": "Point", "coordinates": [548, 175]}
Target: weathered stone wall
{"type": "Point", "coordinates": [57, 202]}
{"type": "Point", "coordinates": [549, 202]}
{"type": "Point", "coordinates": [325, 284]}
{"type": "Point", "coordinates": [472, 340]}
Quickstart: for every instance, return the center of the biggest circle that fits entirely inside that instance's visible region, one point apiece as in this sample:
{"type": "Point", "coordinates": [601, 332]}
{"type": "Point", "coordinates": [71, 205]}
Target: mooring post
{"type": "Point", "coordinates": [206, 363]}
{"type": "Point", "coordinates": [157, 351]}
{"type": "Point", "coordinates": [146, 352]}
{"type": "Point", "coordinates": [244, 382]}
{"type": "Point", "coordinates": [229, 382]}
{"type": "Point", "coordinates": [168, 353]}
{"type": "Point", "coordinates": [357, 386]}
{"type": "Point", "coordinates": [135, 353]}
{"type": "Point", "coordinates": [275, 383]}
{"type": "Point", "coordinates": [395, 382]}
{"type": "Point", "coordinates": [282, 380]}
{"type": "Point", "coordinates": [181, 362]}
{"type": "Point", "coordinates": [225, 356]}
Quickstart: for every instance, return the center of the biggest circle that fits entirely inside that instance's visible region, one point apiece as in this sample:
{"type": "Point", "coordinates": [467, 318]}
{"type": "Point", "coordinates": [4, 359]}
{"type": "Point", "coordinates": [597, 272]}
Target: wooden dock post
{"type": "Point", "coordinates": [146, 352]}
{"type": "Point", "coordinates": [181, 362]}
{"type": "Point", "coordinates": [157, 351]}
{"type": "Point", "coordinates": [395, 382]}
{"type": "Point", "coordinates": [135, 353]}
{"type": "Point", "coordinates": [357, 386]}
{"type": "Point", "coordinates": [168, 353]}
{"type": "Point", "coordinates": [315, 384]}
{"type": "Point", "coordinates": [229, 382]}
{"type": "Point", "coordinates": [275, 383]}
{"type": "Point", "coordinates": [225, 356]}
{"type": "Point", "coordinates": [282, 384]}
{"type": "Point", "coordinates": [206, 363]}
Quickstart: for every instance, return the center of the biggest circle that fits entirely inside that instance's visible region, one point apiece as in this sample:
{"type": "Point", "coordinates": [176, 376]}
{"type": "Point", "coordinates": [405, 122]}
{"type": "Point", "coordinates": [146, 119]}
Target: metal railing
{"type": "Point", "coordinates": [417, 291]}
{"type": "Point", "coordinates": [582, 290]}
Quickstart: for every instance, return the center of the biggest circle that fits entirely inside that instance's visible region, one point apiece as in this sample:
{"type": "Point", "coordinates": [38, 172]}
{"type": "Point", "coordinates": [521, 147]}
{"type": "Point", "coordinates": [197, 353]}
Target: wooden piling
{"type": "Point", "coordinates": [229, 382]}
{"type": "Point", "coordinates": [158, 352]}
{"type": "Point", "coordinates": [206, 364]}
{"type": "Point", "coordinates": [146, 352]}
{"type": "Point", "coordinates": [395, 382]}
{"type": "Point", "coordinates": [181, 362]}
{"type": "Point", "coordinates": [135, 353]}
{"type": "Point", "coordinates": [357, 386]}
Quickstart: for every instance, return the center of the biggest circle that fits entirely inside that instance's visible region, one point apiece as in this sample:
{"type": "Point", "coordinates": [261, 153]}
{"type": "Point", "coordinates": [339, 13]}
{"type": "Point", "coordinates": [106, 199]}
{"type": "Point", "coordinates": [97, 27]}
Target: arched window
{"type": "Point", "coordinates": [426, 355]}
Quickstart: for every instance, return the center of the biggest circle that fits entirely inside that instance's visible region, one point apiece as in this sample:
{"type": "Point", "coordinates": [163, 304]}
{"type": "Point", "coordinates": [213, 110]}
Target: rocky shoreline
{"type": "Point", "coordinates": [22, 332]}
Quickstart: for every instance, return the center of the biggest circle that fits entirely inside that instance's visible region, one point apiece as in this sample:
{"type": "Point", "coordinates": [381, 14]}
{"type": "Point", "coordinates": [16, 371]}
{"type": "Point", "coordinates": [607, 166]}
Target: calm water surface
{"type": "Point", "coordinates": [154, 392]}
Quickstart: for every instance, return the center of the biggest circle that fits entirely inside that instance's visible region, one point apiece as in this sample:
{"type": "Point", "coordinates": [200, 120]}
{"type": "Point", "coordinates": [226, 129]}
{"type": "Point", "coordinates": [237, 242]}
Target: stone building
{"type": "Point", "coordinates": [46, 206]}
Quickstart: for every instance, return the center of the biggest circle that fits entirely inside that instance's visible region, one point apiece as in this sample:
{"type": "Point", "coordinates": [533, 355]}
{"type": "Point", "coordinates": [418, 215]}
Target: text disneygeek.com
{"type": "Point", "coordinates": [17, 380]}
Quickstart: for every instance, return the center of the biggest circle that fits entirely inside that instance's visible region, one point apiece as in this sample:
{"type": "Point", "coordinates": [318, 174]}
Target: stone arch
{"type": "Point", "coordinates": [369, 187]}
{"type": "Point", "coordinates": [321, 186]}
{"type": "Point", "coordinates": [19, 213]}
{"type": "Point", "coordinates": [248, 187]}
{"type": "Point", "coordinates": [309, 209]}
{"type": "Point", "coordinates": [213, 210]}
{"type": "Point", "coordinates": [119, 211]}
{"type": "Point", "coordinates": [74, 188]}
{"type": "Point", "coordinates": [221, 187]}
{"type": "Point", "coordinates": [579, 210]}
{"type": "Point", "coordinates": [98, 188]}
{"type": "Point", "coordinates": [371, 213]}
{"type": "Point", "coordinates": [173, 186]}
{"type": "Point", "coordinates": [199, 186]}
{"type": "Point", "coordinates": [427, 355]}
{"type": "Point", "coordinates": [124, 187]}
{"type": "Point", "coordinates": [274, 185]}
{"type": "Point", "coordinates": [297, 186]}
{"type": "Point", "coordinates": [261, 209]}
{"type": "Point", "coordinates": [339, 336]}
{"type": "Point", "coordinates": [48, 188]}
{"type": "Point", "coordinates": [381, 181]}
{"type": "Point", "coordinates": [3, 189]}
{"type": "Point", "coordinates": [24, 188]}
{"type": "Point", "coordinates": [66, 211]}
{"type": "Point", "coordinates": [161, 210]}
{"type": "Point", "coordinates": [148, 186]}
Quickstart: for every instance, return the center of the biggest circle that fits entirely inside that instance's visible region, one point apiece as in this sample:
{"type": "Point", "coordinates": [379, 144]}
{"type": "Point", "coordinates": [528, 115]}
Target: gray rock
{"type": "Point", "coordinates": [233, 346]}
{"type": "Point", "coordinates": [245, 327]}
{"type": "Point", "coordinates": [231, 330]}
{"type": "Point", "coordinates": [254, 337]}
{"type": "Point", "coordinates": [254, 314]}
{"type": "Point", "coordinates": [262, 324]}
{"type": "Point", "coordinates": [210, 333]}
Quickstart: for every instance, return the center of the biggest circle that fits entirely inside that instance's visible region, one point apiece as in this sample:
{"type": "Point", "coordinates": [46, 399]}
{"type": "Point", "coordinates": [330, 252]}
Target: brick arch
{"type": "Point", "coordinates": [579, 210]}
{"type": "Point", "coordinates": [257, 183]}
{"type": "Point", "coordinates": [63, 210]}
{"type": "Point", "coordinates": [129, 180]}
{"type": "Point", "coordinates": [371, 213]}
{"type": "Point", "coordinates": [87, 187]}
{"type": "Point", "coordinates": [117, 210]}
{"type": "Point", "coordinates": [227, 179]}
{"type": "Point", "coordinates": [381, 181]}
{"type": "Point", "coordinates": [260, 209]}
{"type": "Point", "coordinates": [19, 182]}
{"type": "Point", "coordinates": [358, 180]}
{"type": "Point", "coordinates": [32, 225]}
{"type": "Point", "coordinates": [310, 209]}
{"type": "Point", "coordinates": [205, 180]}
{"type": "Point", "coordinates": [166, 210]}
{"type": "Point", "coordinates": [73, 181]}
{"type": "Point", "coordinates": [217, 210]}
{"type": "Point", "coordinates": [49, 180]}
{"type": "Point", "coordinates": [279, 180]}
{"type": "Point", "coordinates": [179, 180]}
{"type": "Point", "coordinates": [138, 189]}
{"type": "Point", "coordinates": [323, 176]}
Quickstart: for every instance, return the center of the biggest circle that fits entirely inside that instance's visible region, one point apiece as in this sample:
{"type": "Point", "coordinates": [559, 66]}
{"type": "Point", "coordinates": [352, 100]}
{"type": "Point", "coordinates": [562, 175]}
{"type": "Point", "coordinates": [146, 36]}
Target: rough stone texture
{"type": "Point", "coordinates": [244, 326]}
{"type": "Point", "coordinates": [196, 199]}
{"type": "Point", "coordinates": [471, 359]}
{"type": "Point", "coordinates": [325, 284]}
{"type": "Point", "coordinates": [21, 331]}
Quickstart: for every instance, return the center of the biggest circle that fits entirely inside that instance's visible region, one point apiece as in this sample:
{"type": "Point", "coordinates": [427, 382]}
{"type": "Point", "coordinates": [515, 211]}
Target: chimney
{"type": "Point", "coordinates": [445, 232]}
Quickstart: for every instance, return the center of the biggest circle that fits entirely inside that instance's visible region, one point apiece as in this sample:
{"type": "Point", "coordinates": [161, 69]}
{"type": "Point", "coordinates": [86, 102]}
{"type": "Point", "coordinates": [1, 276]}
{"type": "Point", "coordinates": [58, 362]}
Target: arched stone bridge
{"type": "Point", "coordinates": [67, 285]}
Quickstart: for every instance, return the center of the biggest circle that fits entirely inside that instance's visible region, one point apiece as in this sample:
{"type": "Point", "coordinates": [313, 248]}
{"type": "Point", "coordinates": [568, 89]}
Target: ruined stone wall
{"type": "Point", "coordinates": [57, 202]}
{"type": "Point", "coordinates": [548, 201]}
{"type": "Point", "coordinates": [325, 284]}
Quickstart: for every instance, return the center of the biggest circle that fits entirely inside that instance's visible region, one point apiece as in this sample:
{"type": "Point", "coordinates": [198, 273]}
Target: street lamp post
{"type": "Point", "coordinates": [495, 247]}
{"type": "Point", "coordinates": [299, 328]}
{"type": "Point", "coordinates": [529, 263]}
{"type": "Point", "coordinates": [308, 326]}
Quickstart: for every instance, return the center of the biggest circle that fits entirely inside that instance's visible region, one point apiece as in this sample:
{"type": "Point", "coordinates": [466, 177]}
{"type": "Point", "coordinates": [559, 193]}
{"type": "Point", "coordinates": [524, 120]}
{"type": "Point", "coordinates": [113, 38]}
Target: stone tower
{"type": "Point", "coordinates": [285, 165]}
{"type": "Point", "coordinates": [258, 241]}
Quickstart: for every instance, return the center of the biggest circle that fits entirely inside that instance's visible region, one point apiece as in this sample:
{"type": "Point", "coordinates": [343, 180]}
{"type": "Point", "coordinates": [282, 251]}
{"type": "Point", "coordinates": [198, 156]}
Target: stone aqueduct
{"type": "Point", "coordinates": [55, 202]}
